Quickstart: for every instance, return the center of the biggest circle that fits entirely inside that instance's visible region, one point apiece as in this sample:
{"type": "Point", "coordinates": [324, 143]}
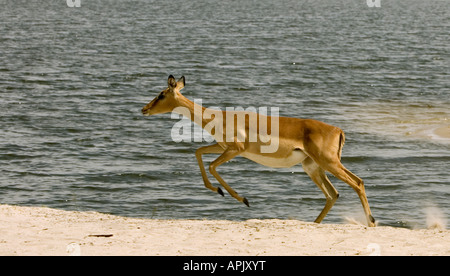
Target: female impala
{"type": "Point", "coordinates": [316, 145]}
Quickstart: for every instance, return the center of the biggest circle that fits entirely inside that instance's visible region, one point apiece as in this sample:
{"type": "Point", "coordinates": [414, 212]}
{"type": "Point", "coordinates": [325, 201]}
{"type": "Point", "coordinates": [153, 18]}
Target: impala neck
{"type": "Point", "coordinates": [195, 111]}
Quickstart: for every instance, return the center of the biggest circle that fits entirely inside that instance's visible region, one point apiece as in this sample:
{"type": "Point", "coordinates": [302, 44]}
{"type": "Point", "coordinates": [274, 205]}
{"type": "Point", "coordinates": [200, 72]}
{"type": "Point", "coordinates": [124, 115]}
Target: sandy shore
{"type": "Point", "coordinates": [45, 231]}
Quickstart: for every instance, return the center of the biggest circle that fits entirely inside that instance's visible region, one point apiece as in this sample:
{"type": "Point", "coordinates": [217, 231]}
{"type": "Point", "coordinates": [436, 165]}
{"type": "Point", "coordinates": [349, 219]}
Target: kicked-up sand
{"type": "Point", "coordinates": [46, 231]}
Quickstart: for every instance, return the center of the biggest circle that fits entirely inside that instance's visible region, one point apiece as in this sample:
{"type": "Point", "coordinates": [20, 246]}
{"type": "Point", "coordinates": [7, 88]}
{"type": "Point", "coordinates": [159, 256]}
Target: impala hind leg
{"type": "Point", "coordinates": [358, 185]}
{"type": "Point", "coordinates": [319, 177]}
{"type": "Point", "coordinates": [198, 153]}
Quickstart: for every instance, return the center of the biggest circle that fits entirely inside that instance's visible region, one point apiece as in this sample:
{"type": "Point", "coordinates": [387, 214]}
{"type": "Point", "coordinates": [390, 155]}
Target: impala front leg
{"type": "Point", "coordinates": [198, 153]}
{"type": "Point", "coordinates": [227, 155]}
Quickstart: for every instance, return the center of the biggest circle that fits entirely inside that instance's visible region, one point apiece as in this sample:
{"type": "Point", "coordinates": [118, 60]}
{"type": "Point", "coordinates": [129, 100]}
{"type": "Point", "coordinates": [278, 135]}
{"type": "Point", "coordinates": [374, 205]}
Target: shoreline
{"type": "Point", "coordinates": [46, 231]}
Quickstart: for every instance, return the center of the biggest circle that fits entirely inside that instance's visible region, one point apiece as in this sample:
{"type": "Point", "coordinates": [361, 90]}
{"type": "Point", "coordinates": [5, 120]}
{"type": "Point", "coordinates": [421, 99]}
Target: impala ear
{"type": "Point", "coordinates": [180, 83]}
{"type": "Point", "coordinates": [171, 82]}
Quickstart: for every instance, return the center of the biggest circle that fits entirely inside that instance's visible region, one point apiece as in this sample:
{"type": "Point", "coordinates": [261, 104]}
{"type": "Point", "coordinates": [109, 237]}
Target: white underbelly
{"type": "Point", "coordinates": [296, 157]}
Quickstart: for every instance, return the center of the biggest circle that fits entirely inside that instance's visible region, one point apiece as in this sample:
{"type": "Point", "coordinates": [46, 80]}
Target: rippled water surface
{"type": "Point", "coordinates": [73, 81]}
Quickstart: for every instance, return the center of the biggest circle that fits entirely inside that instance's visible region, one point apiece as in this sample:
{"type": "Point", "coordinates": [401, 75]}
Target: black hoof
{"type": "Point", "coordinates": [220, 192]}
{"type": "Point", "coordinates": [372, 219]}
{"type": "Point", "coordinates": [246, 202]}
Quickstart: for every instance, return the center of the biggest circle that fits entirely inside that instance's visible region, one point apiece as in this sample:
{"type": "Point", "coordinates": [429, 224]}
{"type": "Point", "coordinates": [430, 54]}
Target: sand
{"type": "Point", "coordinates": [45, 231]}
{"type": "Point", "coordinates": [443, 131]}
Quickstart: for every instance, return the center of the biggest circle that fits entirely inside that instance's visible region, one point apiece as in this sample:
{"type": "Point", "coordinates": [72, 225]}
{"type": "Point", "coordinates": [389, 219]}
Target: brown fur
{"type": "Point", "coordinates": [317, 145]}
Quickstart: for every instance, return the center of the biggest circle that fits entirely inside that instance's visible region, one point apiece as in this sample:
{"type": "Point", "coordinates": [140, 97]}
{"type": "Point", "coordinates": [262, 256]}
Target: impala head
{"type": "Point", "coordinates": [167, 100]}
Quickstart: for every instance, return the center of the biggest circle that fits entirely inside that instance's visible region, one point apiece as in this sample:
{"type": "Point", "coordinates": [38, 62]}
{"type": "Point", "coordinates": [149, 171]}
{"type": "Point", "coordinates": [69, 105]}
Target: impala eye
{"type": "Point", "coordinates": [161, 96]}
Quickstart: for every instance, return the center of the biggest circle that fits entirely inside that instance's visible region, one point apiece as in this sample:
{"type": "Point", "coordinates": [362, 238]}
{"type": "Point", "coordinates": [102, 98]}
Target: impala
{"type": "Point", "coordinates": [317, 145]}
